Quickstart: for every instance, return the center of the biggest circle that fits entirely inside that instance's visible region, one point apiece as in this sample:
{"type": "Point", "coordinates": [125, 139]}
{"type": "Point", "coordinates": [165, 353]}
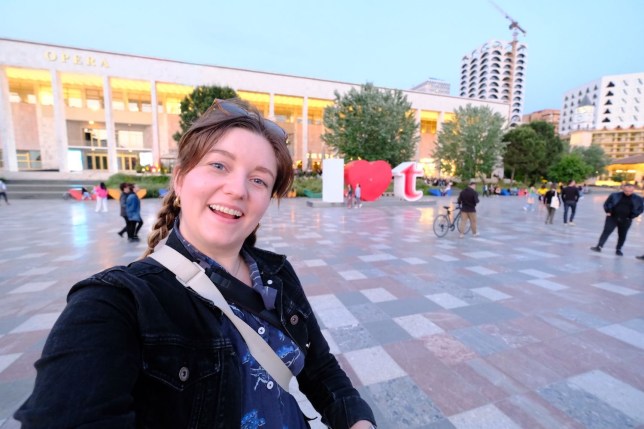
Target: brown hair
{"type": "Point", "coordinates": [204, 133]}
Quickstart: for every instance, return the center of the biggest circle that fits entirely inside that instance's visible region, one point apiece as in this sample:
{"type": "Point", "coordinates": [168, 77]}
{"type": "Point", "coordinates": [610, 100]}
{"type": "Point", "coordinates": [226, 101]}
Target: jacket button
{"type": "Point", "coordinates": [269, 282]}
{"type": "Point", "coordinates": [261, 330]}
{"type": "Point", "coordinates": [269, 385]}
{"type": "Point", "coordinates": [184, 373]}
{"type": "Point", "coordinates": [294, 319]}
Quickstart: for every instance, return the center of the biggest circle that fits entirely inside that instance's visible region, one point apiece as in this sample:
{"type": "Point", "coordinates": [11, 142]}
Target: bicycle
{"type": "Point", "coordinates": [443, 222]}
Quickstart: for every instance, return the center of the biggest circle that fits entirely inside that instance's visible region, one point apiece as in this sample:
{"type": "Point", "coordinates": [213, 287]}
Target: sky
{"type": "Point", "coordinates": [392, 44]}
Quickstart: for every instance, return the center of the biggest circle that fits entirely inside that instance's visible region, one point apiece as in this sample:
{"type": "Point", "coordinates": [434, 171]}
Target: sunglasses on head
{"type": "Point", "coordinates": [235, 111]}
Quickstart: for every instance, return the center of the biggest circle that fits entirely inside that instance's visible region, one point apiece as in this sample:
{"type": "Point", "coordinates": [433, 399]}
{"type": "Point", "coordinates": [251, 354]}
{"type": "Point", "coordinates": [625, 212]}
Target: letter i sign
{"type": "Point", "coordinates": [405, 175]}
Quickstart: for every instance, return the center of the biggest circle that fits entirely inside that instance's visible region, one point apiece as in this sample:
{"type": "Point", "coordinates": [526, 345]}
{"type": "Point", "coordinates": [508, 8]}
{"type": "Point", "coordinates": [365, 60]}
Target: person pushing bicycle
{"type": "Point", "coordinates": [468, 199]}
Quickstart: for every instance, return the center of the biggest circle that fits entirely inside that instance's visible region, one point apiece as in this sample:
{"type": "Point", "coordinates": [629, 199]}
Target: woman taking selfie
{"type": "Point", "coordinates": [150, 346]}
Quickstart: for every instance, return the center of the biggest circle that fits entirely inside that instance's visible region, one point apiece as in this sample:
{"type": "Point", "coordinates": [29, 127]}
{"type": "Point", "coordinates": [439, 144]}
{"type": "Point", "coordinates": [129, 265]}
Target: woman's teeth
{"type": "Point", "coordinates": [225, 210]}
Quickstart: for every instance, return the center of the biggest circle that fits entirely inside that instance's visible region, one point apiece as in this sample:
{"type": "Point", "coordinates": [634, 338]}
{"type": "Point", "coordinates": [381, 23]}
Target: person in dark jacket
{"type": "Point", "coordinates": [135, 347]}
{"type": "Point", "coordinates": [570, 196]}
{"type": "Point", "coordinates": [621, 208]}
{"type": "Point", "coordinates": [468, 199]}
{"type": "Point", "coordinates": [125, 190]}
{"type": "Point", "coordinates": [133, 213]}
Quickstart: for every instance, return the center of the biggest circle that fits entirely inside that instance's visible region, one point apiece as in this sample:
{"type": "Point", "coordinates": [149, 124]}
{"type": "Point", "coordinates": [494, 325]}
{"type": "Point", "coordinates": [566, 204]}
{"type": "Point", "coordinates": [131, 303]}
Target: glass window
{"type": "Point", "coordinates": [130, 139]}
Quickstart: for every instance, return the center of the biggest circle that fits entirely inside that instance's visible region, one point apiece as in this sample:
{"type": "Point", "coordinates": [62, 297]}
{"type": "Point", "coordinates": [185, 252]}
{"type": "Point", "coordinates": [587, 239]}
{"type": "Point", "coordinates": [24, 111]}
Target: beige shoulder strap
{"type": "Point", "coordinates": [192, 275]}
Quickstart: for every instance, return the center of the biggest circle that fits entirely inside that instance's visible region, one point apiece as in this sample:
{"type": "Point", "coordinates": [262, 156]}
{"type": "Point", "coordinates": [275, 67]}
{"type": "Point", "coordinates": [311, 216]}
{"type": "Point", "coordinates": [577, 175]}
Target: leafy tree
{"type": "Point", "coordinates": [554, 146]}
{"type": "Point", "coordinates": [471, 145]}
{"type": "Point", "coordinates": [195, 104]}
{"type": "Point", "coordinates": [594, 156]}
{"type": "Point", "coordinates": [372, 124]}
{"type": "Point", "coordinates": [570, 167]}
{"type": "Point", "coordinates": [524, 153]}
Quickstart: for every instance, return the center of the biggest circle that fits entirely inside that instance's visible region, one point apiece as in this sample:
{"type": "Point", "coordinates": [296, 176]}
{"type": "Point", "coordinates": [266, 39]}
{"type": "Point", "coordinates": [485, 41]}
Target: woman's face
{"type": "Point", "coordinates": [224, 197]}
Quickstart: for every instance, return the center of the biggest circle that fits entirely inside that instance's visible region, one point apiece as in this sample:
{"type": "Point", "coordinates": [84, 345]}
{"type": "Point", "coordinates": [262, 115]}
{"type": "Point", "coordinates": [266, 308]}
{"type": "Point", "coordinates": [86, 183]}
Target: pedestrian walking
{"type": "Point", "coordinates": [133, 213]}
{"type": "Point", "coordinates": [125, 191]}
{"type": "Point", "coordinates": [552, 202]}
{"type": "Point", "coordinates": [3, 192]}
{"type": "Point", "coordinates": [570, 196]}
{"type": "Point", "coordinates": [101, 197]}
{"type": "Point", "coordinates": [468, 199]}
{"type": "Point", "coordinates": [349, 196]}
{"type": "Point", "coordinates": [621, 208]}
{"type": "Point", "coordinates": [358, 192]}
{"type": "Point", "coordinates": [531, 197]}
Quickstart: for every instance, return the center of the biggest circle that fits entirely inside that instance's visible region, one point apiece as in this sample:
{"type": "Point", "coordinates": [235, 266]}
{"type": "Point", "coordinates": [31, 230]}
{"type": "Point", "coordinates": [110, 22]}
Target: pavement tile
{"type": "Point", "coordinates": [485, 417]}
{"type": "Point", "coordinates": [403, 404]}
{"type": "Point", "coordinates": [485, 313]}
{"type": "Point", "coordinates": [585, 407]}
{"type": "Point", "coordinates": [612, 391]}
{"type": "Point", "coordinates": [534, 412]}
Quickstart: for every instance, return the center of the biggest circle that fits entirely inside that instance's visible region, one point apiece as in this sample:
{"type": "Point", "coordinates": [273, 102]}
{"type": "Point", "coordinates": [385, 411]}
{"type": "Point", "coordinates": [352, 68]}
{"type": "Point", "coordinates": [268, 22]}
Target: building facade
{"type": "Point", "coordinates": [496, 71]}
{"type": "Point", "coordinates": [69, 109]}
{"type": "Point", "coordinates": [433, 86]}
{"type": "Point", "coordinates": [609, 103]}
{"type": "Point", "coordinates": [550, 116]}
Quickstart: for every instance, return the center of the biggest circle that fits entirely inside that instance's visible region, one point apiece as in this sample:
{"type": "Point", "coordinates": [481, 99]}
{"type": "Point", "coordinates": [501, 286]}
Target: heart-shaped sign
{"type": "Point", "coordinates": [373, 177]}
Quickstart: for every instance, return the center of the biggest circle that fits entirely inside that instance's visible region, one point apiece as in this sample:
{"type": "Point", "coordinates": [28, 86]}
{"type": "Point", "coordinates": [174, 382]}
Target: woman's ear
{"type": "Point", "coordinates": [177, 182]}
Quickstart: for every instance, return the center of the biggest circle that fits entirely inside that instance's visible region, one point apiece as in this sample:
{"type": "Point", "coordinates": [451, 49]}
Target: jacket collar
{"type": "Point", "coordinates": [268, 262]}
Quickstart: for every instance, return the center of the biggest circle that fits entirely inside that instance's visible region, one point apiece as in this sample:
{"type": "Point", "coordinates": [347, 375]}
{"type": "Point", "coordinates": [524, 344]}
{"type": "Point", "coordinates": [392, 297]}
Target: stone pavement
{"type": "Point", "coordinates": [522, 327]}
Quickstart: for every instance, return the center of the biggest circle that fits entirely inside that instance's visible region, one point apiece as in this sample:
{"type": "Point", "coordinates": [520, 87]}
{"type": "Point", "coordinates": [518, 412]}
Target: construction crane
{"type": "Point", "coordinates": [515, 117]}
{"type": "Point", "coordinates": [514, 25]}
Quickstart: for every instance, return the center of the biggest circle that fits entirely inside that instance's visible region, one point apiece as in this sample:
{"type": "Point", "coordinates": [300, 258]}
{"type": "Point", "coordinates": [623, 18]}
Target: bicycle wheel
{"type": "Point", "coordinates": [441, 225]}
{"type": "Point", "coordinates": [465, 229]}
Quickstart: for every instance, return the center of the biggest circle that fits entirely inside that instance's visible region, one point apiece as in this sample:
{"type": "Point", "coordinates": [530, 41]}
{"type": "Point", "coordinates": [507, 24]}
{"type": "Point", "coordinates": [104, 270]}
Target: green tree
{"type": "Point", "coordinates": [554, 146]}
{"type": "Point", "coordinates": [569, 167]}
{"type": "Point", "coordinates": [195, 104]}
{"type": "Point", "coordinates": [594, 156]}
{"type": "Point", "coordinates": [471, 145]}
{"type": "Point", "coordinates": [524, 153]}
{"type": "Point", "coordinates": [372, 124]}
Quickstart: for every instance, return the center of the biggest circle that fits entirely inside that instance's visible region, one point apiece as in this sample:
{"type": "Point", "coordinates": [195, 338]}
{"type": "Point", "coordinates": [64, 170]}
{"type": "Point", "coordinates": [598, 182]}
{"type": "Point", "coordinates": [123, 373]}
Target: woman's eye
{"type": "Point", "coordinates": [259, 182]}
{"type": "Point", "coordinates": [217, 165]}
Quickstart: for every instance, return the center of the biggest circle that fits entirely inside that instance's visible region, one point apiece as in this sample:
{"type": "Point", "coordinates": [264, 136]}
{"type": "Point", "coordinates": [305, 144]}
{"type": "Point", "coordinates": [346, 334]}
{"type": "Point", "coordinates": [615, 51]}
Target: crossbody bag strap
{"type": "Point", "coordinates": [192, 275]}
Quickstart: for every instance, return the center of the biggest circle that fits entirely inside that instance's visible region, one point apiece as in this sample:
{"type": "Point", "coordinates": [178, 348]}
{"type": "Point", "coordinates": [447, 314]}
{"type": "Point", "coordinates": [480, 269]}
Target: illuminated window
{"type": "Point", "coordinates": [130, 139]}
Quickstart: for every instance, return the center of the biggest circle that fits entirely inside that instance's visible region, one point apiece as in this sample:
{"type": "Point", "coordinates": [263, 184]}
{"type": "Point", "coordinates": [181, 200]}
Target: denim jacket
{"type": "Point", "coordinates": [136, 348]}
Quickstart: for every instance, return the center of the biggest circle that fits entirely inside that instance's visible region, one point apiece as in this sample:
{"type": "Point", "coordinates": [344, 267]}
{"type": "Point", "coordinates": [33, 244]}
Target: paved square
{"type": "Point", "coordinates": [522, 327]}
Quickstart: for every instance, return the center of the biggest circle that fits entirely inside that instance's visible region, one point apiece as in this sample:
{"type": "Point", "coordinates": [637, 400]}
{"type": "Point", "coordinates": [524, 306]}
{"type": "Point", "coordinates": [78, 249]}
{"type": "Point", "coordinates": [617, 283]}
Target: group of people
{"type": "Point", "coordinates": [206, 329]}
{"type": "Point", "coordinates": [620, 208]}
{"type": "Point", "coordinates": [130, 211]}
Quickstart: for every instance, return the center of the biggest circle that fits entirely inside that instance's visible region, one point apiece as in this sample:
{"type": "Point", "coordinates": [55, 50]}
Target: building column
{"type": "Point", "coordinates": [60, 122]}
{"type": "Point", "coordinates": [7, 136]}
{"type": "Point", "coordinates": [420, 135]}
{"type": "Point", "coordinates": [305, 130]}
{"type": "Point", "coordinates": [439, 128]}
{"type": "Point", "coordinates": [439, 123]}
{"type": "Point", "coordinates": [155, 124]}
{"type": "Point", "coordinates": [110, 129]}
{"type": "Point", "coordinates": [271, 106]}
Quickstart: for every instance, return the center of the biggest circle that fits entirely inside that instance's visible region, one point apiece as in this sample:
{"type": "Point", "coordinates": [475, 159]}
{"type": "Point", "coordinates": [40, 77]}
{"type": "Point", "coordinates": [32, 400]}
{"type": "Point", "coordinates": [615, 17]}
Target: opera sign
{"type": "Point", "coordinates": [374, 178]}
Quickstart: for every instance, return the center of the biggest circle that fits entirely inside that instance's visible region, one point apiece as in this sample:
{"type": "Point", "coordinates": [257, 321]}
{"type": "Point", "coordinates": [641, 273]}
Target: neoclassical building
{"type": "Point", "coordinates": [69, 109]}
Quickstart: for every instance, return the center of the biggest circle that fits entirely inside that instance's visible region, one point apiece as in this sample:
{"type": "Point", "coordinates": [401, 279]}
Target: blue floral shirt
{"type": "Point", "coordinates": [264, 403]}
